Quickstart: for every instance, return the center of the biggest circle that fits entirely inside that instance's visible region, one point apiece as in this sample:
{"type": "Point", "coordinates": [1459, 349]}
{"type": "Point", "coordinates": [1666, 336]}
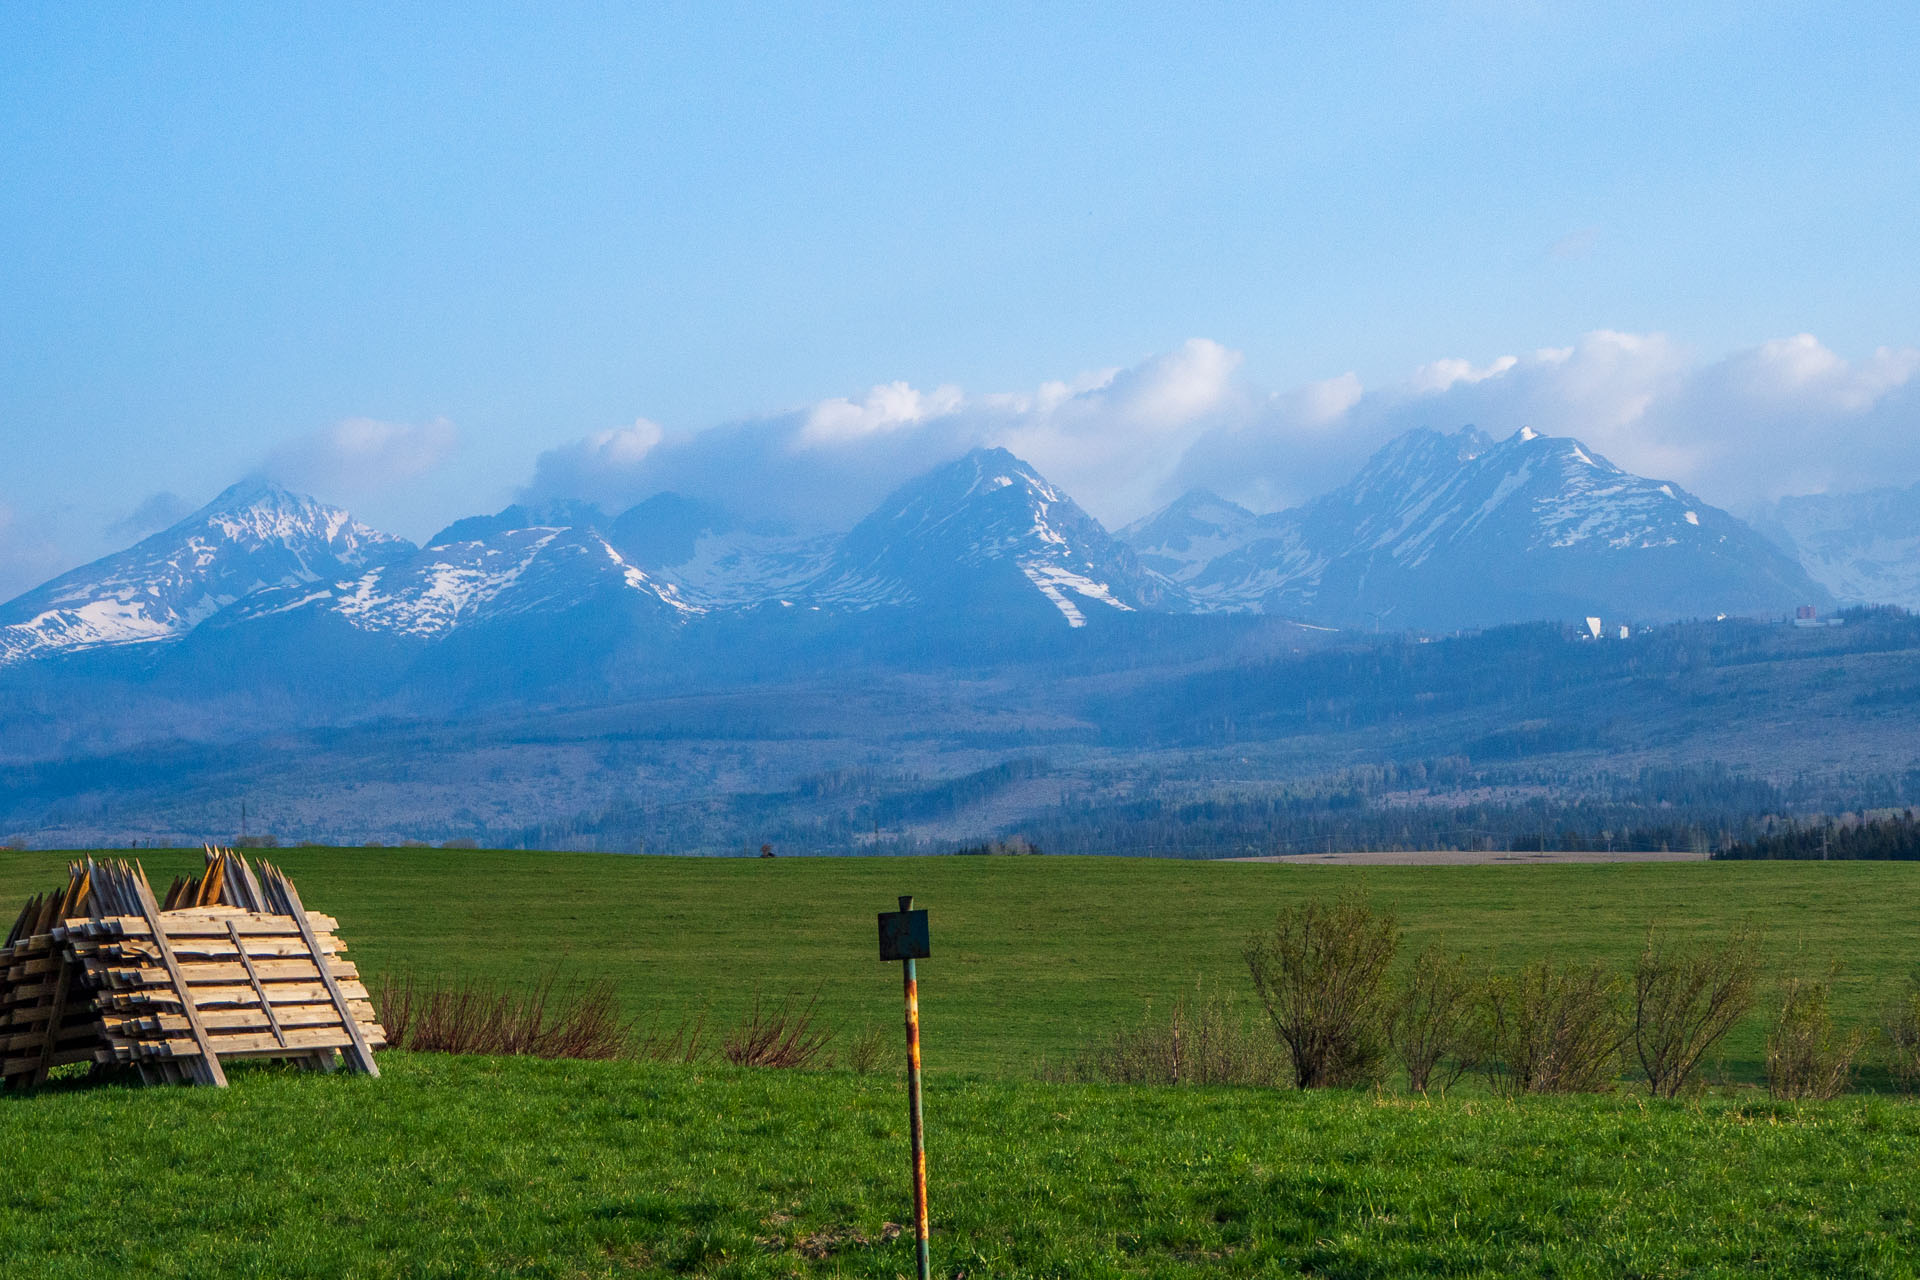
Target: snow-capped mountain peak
{"type": "Point", "coordinates": [1458, 529]}
{"type": "Point", "coordinates": [986, 533]}
{"type": "Point", "coordinates": [254, 536]}
{"type": "Point", "coordinates": [520, 562]}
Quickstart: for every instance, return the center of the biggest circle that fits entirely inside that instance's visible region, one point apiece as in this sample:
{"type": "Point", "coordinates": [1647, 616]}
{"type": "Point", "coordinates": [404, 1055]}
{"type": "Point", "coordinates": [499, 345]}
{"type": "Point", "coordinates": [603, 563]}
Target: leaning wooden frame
{"type": "Point", "coordinates": [232, 965]}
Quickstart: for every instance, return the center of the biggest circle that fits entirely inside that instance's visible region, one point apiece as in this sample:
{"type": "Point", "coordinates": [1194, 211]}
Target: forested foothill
{"type": "Point", "coordinates": [1184, 736]}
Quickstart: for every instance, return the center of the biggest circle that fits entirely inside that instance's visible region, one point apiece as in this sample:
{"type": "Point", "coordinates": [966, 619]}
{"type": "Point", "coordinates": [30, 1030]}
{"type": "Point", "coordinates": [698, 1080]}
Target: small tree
{"type": "Point", "coordinates": [1806, 1055]}
{"type": "Point", "coordinates": [1321, 974]}
{"type": "Point", "coordinates": [1684, 1000]}
{"type": "Point", "coordinates": [1433, 1029]}
{"type": "Point", "coordinates": [1555, 1029]}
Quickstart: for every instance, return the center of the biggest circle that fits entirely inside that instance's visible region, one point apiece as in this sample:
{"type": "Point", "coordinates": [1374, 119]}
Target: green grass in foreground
{"type": "Point", "coordinates": [482, 1167]}
{"type": "Point", "coordinates": [1035, 957]}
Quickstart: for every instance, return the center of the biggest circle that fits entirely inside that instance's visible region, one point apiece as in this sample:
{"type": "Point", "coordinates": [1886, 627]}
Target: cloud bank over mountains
{"type": "Point", "coordinates": [1787, 416]}
{"type": "Point", "coordinates": [356, 456]}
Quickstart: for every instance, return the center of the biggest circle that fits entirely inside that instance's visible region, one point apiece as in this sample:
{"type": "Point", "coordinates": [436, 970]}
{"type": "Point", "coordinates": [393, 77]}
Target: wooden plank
{"type": "Point", "coordinates": [206, 973]}
{"type": "Point", "coordinates": [257, 946]}
{"type": "Point", "coordinates": [204, 922]}
{"type": "Point", "coordinates": [253, 976]}
{"type": "Point", "coordinates": [230, 993]}
{"type": "Point", "coordinates": [297, 1017]}
{"type": "Point", "coordinates": [255, 1044]}
{"type": "Point", "coordinates": [360, 1054]}
{"type": "Point", "coordinates": [151, 910]}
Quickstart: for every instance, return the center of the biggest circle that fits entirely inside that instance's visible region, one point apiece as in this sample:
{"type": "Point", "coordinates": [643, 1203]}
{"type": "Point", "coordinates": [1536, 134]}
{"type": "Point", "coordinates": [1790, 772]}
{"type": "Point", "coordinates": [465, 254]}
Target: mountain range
{"type": "Point", "coordinates": [1437, 531]}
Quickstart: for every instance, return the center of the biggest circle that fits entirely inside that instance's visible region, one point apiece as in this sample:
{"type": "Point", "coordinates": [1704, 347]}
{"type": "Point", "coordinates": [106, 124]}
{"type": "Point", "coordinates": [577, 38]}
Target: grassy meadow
{"type": "Point", "coordinates": [455, 1167]}
{"type": "Point", "coordinates": [1033, 957]}
{"type": "Point", "coordinates": [488, 1166]}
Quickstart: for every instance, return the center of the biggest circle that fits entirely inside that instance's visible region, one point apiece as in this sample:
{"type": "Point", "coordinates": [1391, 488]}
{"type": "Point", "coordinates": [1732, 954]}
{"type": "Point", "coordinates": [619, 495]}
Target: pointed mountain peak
{"type": "Point", "coordinates": [1193, 511]}
{"type": "Point", "coordinates": [555, 513]}
{"type": "Point", "coordinates": [1197, 500]}
{"type": "Point", "coordinates": [986, 468]}
{"type": "Point", "coordinates": [986, 526]}
{"type": "Point", "coordinates": [251, 490]}
{"type": "Point", "coordinates": [974, 477]}
{"type": "Point", "coordinates": [254, 536]}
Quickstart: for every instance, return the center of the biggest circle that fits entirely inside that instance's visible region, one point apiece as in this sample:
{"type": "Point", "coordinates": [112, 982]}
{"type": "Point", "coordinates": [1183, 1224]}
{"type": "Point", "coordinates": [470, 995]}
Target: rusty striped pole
{"type": "Point", "coordinates": [903, 937]}
{"type": "Point", "coordinates": [919, 1122]}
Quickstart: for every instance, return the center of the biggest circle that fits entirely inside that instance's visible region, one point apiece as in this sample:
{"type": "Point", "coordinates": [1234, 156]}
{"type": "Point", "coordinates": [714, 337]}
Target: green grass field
{"type": "Point", "coordinates": [450, 1167]}
{"type": "Point", "coordinates": [457, 1167]}
{"type": "Point", "coordinates": [1035, 956]}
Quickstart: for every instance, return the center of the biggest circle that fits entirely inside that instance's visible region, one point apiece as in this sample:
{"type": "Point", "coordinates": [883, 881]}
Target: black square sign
{"type": "Point", "coordinates": [903, 935]}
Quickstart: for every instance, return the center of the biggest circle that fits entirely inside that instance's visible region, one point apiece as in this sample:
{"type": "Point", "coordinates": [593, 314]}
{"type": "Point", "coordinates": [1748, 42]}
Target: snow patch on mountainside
{"type": "Point", "coordinates": [1055, 582]}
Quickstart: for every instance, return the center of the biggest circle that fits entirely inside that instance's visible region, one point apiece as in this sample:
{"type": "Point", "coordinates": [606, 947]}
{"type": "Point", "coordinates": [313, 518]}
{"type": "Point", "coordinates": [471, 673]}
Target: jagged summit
{"type": "Point", "coordinates": [557, 514]}
{"type": "Point", "coordinates": [1460, 530]}
{"type": "Point", "coordinates": [986, 533]}
{"type": "Point", "coordinates": [254, 536]}
{"type": "Point", "coordinates": [1181, 539]}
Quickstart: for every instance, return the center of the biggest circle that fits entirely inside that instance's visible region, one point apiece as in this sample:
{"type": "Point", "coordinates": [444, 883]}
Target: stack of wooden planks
{"type": "Point", "coordinates": [232, 966]}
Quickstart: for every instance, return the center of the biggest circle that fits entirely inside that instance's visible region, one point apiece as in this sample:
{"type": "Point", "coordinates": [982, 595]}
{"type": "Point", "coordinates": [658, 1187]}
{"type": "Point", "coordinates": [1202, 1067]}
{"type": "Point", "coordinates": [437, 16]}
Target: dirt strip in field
{"type": "Point", "coordinates": [1468, 858]}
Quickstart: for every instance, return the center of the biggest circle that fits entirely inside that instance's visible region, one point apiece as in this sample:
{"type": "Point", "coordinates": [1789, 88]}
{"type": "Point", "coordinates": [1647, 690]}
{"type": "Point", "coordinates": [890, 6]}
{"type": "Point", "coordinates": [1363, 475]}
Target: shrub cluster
{"type": "Point", "coordinates": [551, 1018]}
{"type": "Point", "coordinates": [1338, 1014]}
{"type": "Point", "coordinates": [547, 1019]}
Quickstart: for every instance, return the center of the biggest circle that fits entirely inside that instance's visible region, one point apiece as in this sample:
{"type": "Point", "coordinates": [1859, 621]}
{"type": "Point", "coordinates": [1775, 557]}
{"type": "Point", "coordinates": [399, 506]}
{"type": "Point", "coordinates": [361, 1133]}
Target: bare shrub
{"type": "Point", "coordinates": [1903, 1037]}
{"type": "Point", "coordinates": [1202, 1040]}
{"type": "Point", "coordinates": [1321, 975]}
{"type": "Point", "coordinates": [545, 1019]}
{"type": "Point", "coordinates": [785, 1037]}
{"type": "Point", "coordinates": [1555, 1029]}
{"type": "Point", "coordinates": [866, 1050]}
{"type": "Point", "coordinates": [1684, 1000]}
{"type": "Point", "coordinates": [1434, 1028]}
{"type": "Point", "coordinates": [1807, 1057]}
{"type": "Point", "coordinates": [657, 1040]}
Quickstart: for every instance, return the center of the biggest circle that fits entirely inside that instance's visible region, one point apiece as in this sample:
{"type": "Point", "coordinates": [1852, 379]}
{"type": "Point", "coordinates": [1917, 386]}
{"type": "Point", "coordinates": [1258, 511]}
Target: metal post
{"type": "Point", "coordinates": [913, 1099]}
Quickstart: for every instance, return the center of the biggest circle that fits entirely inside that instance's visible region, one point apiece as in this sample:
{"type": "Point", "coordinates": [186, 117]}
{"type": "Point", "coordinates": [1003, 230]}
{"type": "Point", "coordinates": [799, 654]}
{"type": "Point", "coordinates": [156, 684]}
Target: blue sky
{"type": "Point", "coordinates": [422, 262]}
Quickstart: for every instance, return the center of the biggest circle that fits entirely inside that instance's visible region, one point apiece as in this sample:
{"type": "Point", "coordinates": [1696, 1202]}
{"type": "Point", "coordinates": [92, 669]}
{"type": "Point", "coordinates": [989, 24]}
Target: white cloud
{"type": "Point", "coordinates": [889, 407]}
{"type": "Point", "coordinates": [1113, 435]}
{"type": "Point", "coordinates": [1785, 416]}
{"type": "Point", "coordinates": [1788, 415]}
{"type": "Point", "coordinates": [357, 456]}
